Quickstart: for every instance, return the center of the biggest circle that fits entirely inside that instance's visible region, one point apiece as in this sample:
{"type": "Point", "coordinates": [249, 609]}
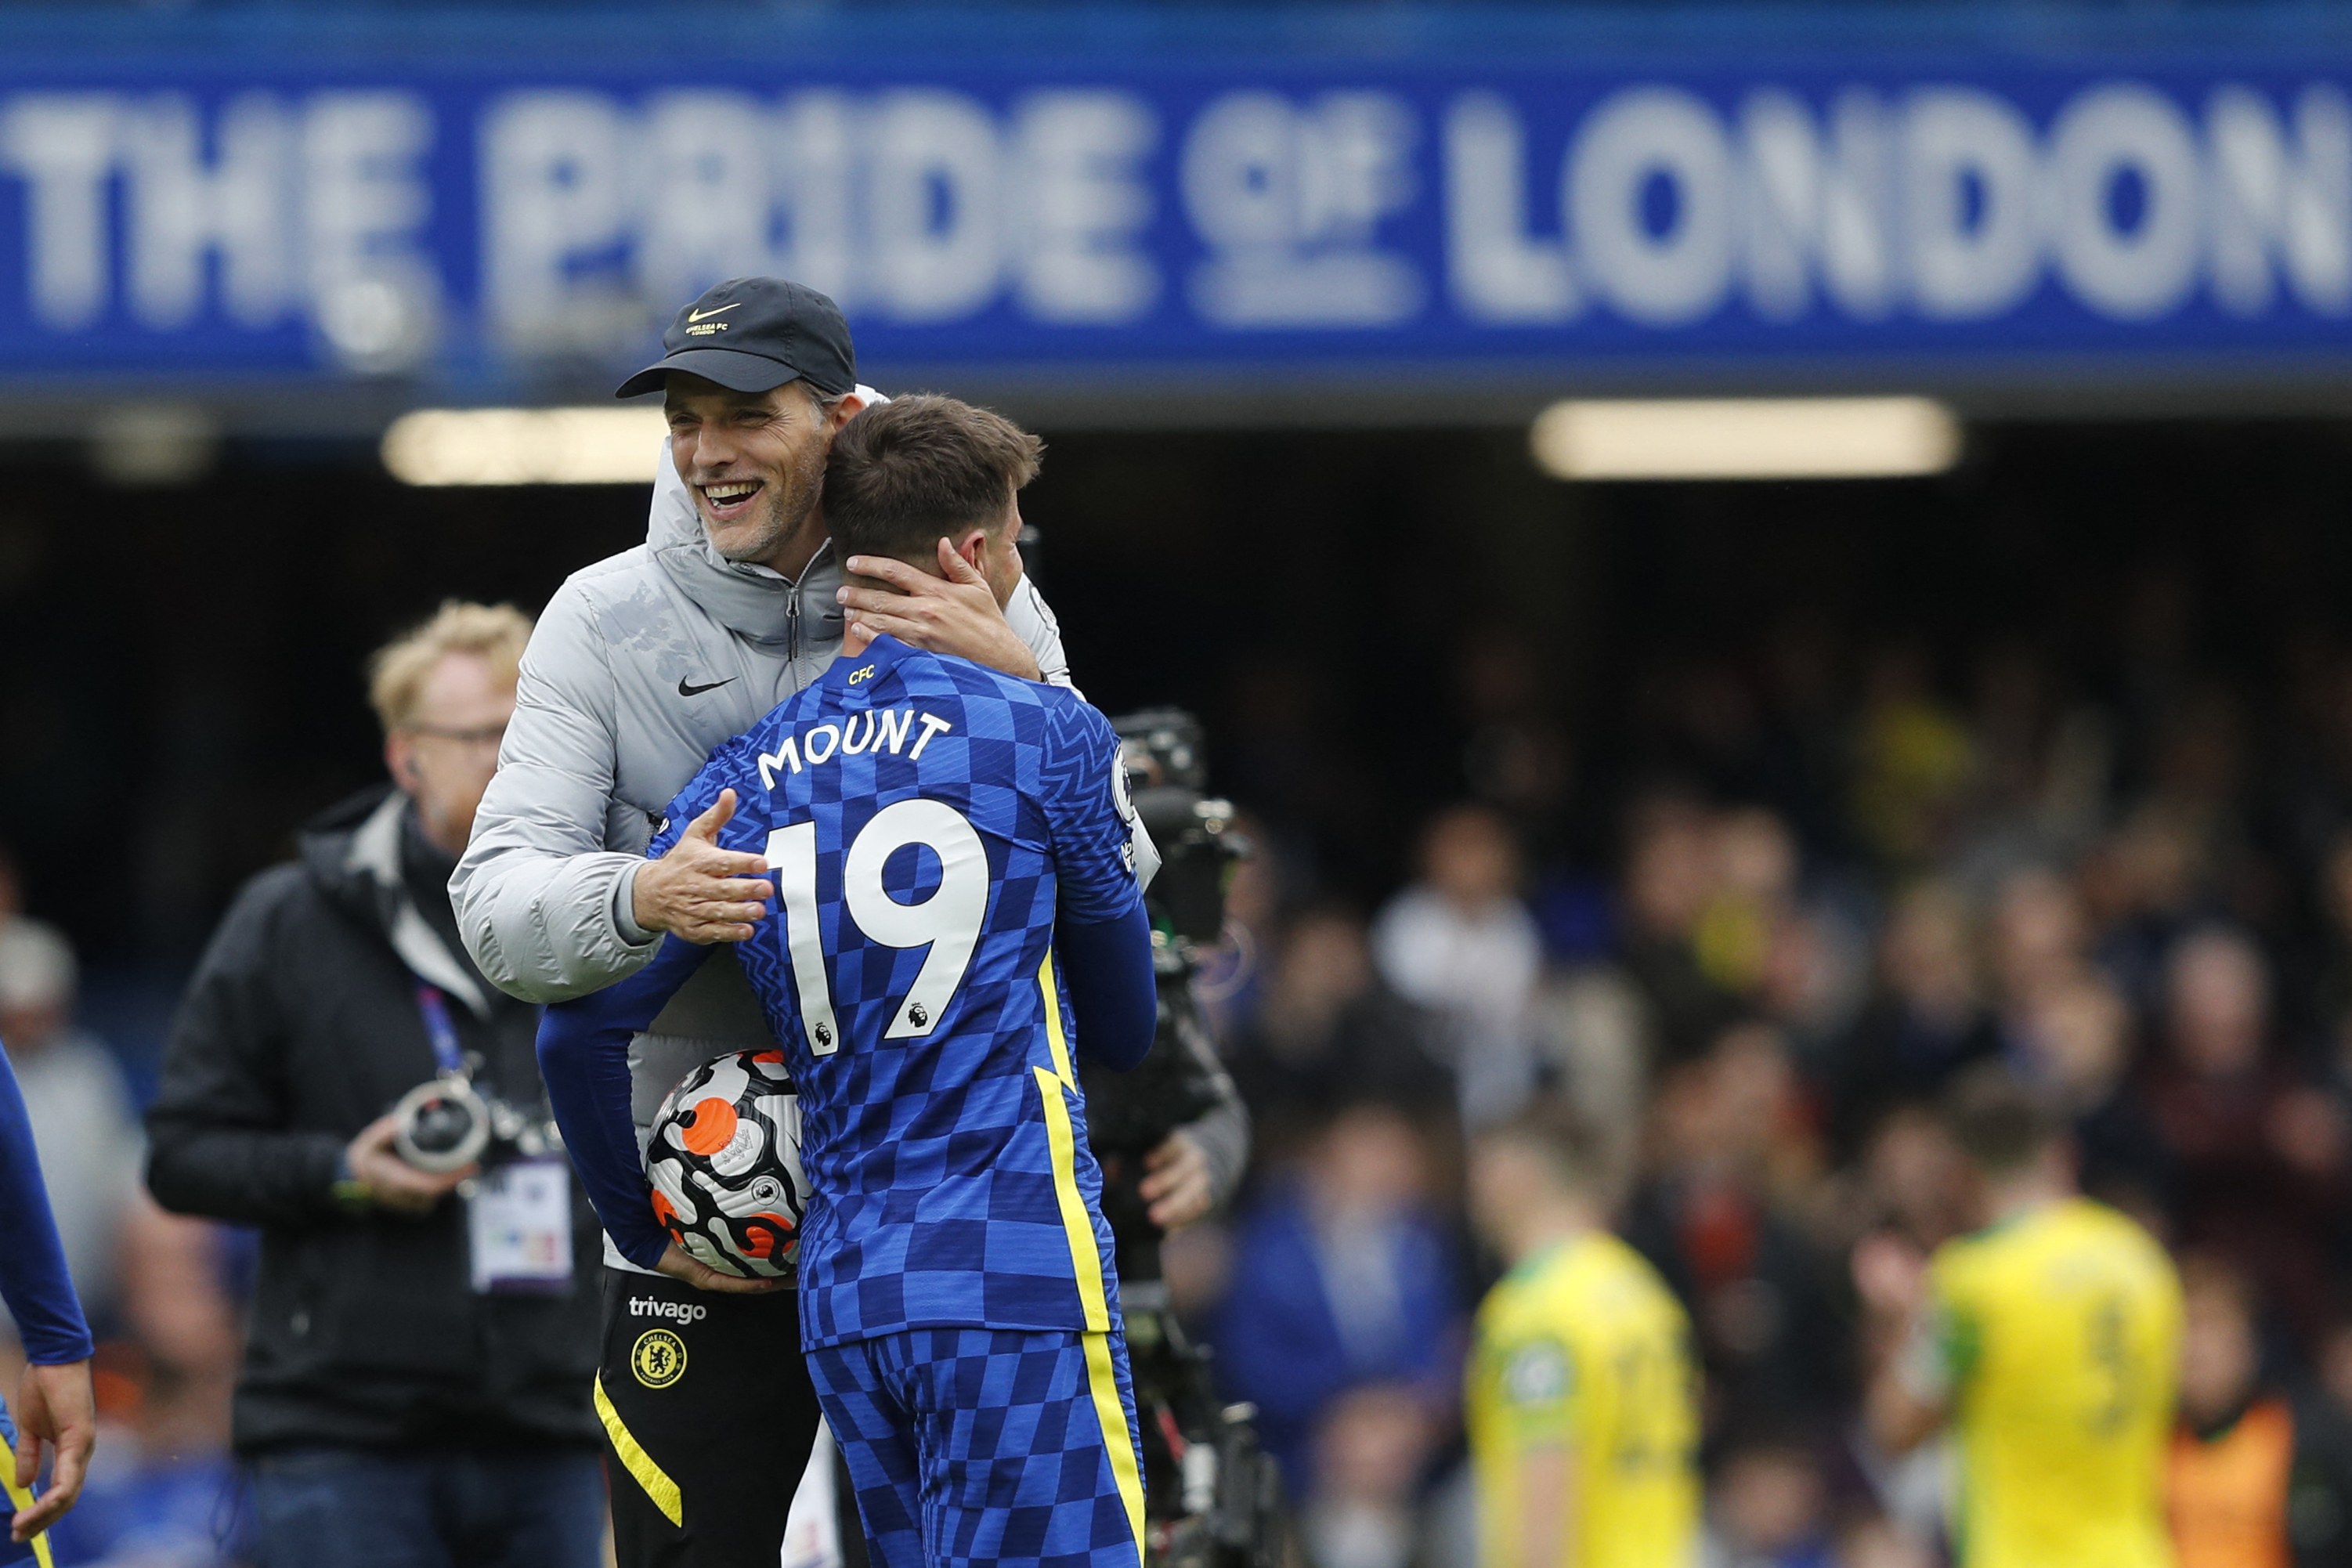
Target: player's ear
{"type": "Point", "coordinates": [973, 548]}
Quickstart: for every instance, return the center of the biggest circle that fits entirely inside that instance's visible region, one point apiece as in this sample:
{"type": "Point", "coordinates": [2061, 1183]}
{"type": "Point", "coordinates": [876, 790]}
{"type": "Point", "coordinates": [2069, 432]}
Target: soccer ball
{"type": "Point", "coordinates": [726, 1167]}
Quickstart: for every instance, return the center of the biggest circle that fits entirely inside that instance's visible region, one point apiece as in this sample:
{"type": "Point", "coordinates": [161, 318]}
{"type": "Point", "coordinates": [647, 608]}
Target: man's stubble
{"type": "Point", "coordinates": [791, 517]}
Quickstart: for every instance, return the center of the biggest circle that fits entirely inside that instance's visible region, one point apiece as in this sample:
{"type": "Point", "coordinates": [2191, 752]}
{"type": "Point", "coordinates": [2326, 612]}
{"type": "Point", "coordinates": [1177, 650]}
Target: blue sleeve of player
{"type": "Point", "coordinates": [33, 1277]}
{"type": "Point", "coordinates": [700, 793]}
{"type": "Point", "coordinates": [583, 1055]}
{"type": "Point", "coordinates": [1100, 930]}
{"type": "Point", "coordinates": [584, 1047]}
{"type": "Point", "coordinates": [1088, 813]}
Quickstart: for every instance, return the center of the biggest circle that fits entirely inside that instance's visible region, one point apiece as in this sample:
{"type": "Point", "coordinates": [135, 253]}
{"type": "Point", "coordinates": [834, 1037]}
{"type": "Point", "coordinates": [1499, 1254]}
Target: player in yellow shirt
{"type": "Point", "coordinates": [2049, 1342]}
{"type": "Point", "coordinates": [1583, 1398]}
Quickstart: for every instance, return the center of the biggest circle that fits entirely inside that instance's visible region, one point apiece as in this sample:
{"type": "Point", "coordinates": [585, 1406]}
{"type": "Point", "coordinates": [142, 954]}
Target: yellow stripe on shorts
{"type": "Point", "coordinates": [637, 1462]}
{"type": "Point", "coordinates": [1118, 1441]}
{"type": "Point", "coordinates": [1085, 1261]}
{"type": "Point", "coordinates": [21, 1499]}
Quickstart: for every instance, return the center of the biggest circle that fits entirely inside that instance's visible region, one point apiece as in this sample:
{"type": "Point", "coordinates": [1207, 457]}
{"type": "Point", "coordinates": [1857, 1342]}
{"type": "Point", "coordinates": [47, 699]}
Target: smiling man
{"type": "Point", "coordinates": [642, 664]}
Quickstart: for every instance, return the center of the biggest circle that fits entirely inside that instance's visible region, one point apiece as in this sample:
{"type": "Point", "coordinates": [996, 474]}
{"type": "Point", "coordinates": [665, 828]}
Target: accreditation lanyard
{"type": "Point", "coordinates": [518, 1211]}
{"type": "Point", "coordinates": [448, 1054]}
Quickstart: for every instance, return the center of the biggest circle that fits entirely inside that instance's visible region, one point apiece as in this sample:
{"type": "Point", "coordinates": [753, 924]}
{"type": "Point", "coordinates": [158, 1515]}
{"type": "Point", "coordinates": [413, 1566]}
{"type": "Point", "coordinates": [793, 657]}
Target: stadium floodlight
{"type": "Point", "coordinates": [616, 445]}
{"type": "Point", "coordinates": [1746, 439]}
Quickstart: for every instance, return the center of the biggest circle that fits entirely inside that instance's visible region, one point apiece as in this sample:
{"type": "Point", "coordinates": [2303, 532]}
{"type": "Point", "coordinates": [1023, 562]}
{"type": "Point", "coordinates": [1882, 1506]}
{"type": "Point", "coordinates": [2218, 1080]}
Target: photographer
{"type": "Point", "coordinates": [1172, 1136]}
{"type": "Point", "coordinates": [424, 1340]}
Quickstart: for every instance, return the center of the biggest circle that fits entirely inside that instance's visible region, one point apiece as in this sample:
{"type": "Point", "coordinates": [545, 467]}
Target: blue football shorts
{"type": "Point", "coordinates": [989, 1447]}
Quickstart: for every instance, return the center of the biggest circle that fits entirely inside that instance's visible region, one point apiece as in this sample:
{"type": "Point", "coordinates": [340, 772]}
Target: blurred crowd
{"type": "Point", "coordinates": [1814, 882]}
{"type": "Point", "coordinates": [1825, 881]}
{"type": "Point", "coordinates": [162, 1292]}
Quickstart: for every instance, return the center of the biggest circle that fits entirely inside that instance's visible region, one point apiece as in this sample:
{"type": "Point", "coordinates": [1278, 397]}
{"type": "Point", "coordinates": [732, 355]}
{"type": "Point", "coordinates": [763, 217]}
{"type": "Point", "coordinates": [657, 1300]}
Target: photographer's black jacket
{"type": "Point", "coordinates": [301, 1026]}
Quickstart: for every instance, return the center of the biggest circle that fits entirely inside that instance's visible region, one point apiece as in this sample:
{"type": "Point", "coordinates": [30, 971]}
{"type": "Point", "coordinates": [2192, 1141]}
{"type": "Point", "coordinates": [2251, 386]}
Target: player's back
{"type": "Point", "coordinates": [2062, 1331]}
{"type": "Point", "coordinates": [1583, 1349]}
{"type": "Point", "coordinates": [912, 807]}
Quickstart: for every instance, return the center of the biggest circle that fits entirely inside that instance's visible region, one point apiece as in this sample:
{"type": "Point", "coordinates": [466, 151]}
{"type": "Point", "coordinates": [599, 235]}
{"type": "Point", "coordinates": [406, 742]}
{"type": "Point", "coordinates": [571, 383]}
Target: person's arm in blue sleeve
{"type": "Point", "coordinates": [1114, 993]}
{"type": "Point", "coordinates": [54, 1398]}
{"type": "Point", "coordinates": [1102, 937]}
{"type": "Point", "coordinates": [33, 1277]}
{"type": "Point", "coordinates": [583, 1055]}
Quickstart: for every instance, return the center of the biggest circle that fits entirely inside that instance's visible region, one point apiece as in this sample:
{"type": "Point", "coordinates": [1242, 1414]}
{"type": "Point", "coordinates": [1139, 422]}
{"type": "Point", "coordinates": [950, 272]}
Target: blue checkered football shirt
{"type": "Point", "coordinates": [925, 820]}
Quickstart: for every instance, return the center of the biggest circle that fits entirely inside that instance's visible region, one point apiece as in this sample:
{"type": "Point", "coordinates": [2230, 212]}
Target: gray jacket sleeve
{"type": "Point", "coordinates": [536, 892]}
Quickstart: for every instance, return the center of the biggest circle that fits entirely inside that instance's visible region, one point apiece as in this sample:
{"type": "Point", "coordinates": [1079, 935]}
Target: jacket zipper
{"type": "Point", "coordinates": [792, 603]}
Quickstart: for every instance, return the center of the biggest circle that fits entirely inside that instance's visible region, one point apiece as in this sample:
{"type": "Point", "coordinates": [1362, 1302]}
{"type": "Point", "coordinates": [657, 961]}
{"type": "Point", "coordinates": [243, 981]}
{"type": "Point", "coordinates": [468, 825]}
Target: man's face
{"type": "Point", "coordinates": [755, 462]}
{"type": "Point", "coordinates": [444, 759]}
{"type": "Point", "coordinates": [1000, 559]}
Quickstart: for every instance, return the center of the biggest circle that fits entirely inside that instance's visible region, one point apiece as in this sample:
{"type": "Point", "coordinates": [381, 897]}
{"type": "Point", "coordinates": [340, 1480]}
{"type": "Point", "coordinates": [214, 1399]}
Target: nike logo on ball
{"type": "Point", "coordinates": [685, 690]}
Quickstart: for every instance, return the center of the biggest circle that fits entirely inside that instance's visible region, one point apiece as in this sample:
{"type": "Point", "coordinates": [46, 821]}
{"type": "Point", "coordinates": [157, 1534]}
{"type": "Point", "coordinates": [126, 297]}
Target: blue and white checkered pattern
{"type": "Point", "coordinates": [934, 1191]}
{"type": "Point", "coordinates": [972, 1446]}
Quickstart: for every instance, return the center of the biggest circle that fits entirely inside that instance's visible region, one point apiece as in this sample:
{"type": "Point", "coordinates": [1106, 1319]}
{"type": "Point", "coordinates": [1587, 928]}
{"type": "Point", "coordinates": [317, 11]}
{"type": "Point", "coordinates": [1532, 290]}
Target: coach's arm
{"type": "Point", "coordinates": [538, 891]}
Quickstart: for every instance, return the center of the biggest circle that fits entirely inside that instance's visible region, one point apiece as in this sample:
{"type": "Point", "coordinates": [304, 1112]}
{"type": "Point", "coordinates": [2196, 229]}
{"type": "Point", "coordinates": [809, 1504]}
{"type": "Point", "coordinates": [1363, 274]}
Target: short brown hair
{"type": "Point", "coordinates": [397, 671]}
{"type": "Point", "coordinates": [1553, 1130]}
{"type": "Point", "coordinates": [904, 473]}
{"type": "Point", "coordinates": [1999, 1123]}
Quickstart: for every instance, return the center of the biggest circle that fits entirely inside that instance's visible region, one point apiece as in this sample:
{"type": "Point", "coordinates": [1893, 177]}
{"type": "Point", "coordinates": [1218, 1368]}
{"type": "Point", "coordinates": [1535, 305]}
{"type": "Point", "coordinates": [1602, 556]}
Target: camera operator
{"type": "Point", "coordinates": [423, 1333]}
{"type": "Point", "coordinates": [1173, 1138]}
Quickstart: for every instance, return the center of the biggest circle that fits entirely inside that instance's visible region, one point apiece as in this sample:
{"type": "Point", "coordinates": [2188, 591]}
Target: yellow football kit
{"type": "Point", "coordinates": [2056, 1342]}
{"type": "Point", "coordinates": [1583, 1359]}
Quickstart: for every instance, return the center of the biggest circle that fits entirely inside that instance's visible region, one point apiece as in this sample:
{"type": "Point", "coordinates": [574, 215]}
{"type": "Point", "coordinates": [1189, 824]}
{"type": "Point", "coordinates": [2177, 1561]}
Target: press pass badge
{"type": "Point", "coordinates": [520, 1223]}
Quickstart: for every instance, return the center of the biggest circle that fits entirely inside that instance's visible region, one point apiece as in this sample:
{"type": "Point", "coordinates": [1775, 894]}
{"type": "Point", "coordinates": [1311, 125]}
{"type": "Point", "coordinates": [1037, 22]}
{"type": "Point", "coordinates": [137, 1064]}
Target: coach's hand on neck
{"type": "Point", "coordinates": [958, 609]}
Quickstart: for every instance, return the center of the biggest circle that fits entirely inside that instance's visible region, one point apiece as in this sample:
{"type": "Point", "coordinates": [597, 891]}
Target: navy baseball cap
{"type": "Point", "coordinates": [753, 334]}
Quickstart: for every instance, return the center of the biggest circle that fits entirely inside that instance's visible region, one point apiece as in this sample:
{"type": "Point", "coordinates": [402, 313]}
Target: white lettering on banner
{"type": "Point", "coordinates": [934, 206]}
{"type": "Point", "coordinates": [702, 186]}
{"type": "Point", "coordinates": [554, 189]}
{"type": "Point", "coordinates": [186, 208]}
{"type": "Point", "coordinates": [1815, 201]}
{"type": "Point", "coordinates": [2271, 200]}
{"type": "Point", "coordinates": [256, 207]}
{"type": "Point", "coordinates": [62, 146]}
{"type": "Point", "coordinates": [2147, 268]}
{"type": "Point", "coordinates": [375, 293]}
{"type": "Point", "coordinates": [1971, 219]}
{"type": "Point", "coordinates": [812, 179]}
{"type": "Point", "coordinates": [1290, 200]}
{"type": "Point", "coordinates": [925, 206]}
{"type": "Point", "coordinates": [1085, 206]}
{"type": "Point", "coordinates": [1501, 274]}
{"type": "Point", "coordinates": [1660, 275]}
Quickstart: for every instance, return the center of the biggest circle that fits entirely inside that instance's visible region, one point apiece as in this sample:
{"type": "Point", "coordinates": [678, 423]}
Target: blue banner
{"type": "Point", "coordinates": [494, 223]}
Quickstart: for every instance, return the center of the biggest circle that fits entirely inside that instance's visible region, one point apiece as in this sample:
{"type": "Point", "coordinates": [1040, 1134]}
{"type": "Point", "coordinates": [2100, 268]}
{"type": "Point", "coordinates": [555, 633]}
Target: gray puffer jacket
{"type": "Point", "coordinates": [641, 665]}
